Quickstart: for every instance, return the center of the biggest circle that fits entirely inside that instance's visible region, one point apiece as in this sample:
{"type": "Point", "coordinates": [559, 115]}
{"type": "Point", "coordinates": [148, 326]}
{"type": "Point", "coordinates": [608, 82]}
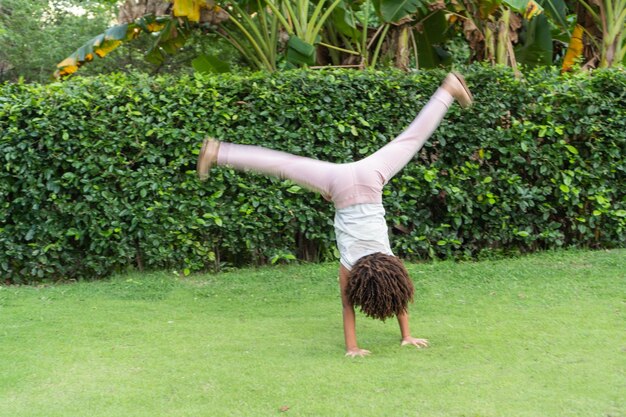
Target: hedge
{"type": "Point", "coordinates": [98, 174]}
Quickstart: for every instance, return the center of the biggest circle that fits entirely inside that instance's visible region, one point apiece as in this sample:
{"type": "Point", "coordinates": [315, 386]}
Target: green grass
{"type": "Point", "coordinates": [543, 335]}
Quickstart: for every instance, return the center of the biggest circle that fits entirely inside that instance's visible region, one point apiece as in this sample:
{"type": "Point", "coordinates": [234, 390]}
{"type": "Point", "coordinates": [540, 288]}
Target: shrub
{"type": "Point", "coordinates": [98, 174]}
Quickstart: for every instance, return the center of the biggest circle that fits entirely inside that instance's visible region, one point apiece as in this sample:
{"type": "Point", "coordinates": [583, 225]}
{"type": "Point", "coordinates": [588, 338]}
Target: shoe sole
{"type": "Point", "coordinates": [469, 99]}
{"type": "Point", "coordinates": [207, 158]}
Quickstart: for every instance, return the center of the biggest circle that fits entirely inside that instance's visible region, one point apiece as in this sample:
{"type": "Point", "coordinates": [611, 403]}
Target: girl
{"type": "Point", "coordinates": [370, 276]}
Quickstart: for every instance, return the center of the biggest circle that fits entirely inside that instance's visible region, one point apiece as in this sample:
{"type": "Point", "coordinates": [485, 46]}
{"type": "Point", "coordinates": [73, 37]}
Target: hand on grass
{"type": "Point", "coordinates": [353, 353]}
{"type": "Point", "coordinates": [418, 343]}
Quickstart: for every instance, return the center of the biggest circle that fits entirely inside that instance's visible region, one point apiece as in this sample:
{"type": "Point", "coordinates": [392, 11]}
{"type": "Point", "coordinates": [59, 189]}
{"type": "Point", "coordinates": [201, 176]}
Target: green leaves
{"type": "Point", "coordinates": [433, 34]}
{"type": "Point", "coordinates": [557, 10]}
{"type": "Point", "coordinates": [535, 47]}
{"type": "Point", "coordinates": [394, 10]}
{"type": "Point", "coordinates": [299, 52]}
{"type": "Point", "coordinates": [208, 64]}
{"type": "Point", "coordinates": [97, 175]}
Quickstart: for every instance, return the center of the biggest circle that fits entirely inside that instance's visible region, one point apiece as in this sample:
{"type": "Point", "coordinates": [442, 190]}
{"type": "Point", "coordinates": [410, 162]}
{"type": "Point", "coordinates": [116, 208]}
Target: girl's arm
{"type": "Point", "coordinates": [405, 332]}
{"type": "Point", "coordinates": [349, 321]}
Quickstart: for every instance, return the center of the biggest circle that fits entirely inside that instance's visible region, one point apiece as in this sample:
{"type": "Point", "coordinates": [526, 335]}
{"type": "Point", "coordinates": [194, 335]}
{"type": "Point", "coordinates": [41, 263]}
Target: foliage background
{"type": "Point", "coordinates": [35, 33]}
{"type": "Point", "coordinates": [98, 174]}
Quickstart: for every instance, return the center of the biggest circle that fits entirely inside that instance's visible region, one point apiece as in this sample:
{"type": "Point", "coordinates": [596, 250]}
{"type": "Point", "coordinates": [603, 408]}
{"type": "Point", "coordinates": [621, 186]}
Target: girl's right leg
{"type": "Point", "coordinates": [391, 158]}
{"type": "Point", "coordinates": [310, 173]}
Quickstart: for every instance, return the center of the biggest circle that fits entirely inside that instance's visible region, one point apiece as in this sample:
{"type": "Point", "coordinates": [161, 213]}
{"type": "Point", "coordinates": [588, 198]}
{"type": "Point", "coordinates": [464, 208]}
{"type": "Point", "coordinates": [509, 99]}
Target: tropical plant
{"type": "Point", "coordinates": [253, 27]}
{"type": "Point", "coordinates": [303, 28]}
{"type": "Point", "coordinates": [273, 34]}
{"type": "Point", "coordinates": [254, 32]}
{"type": "Point", "coordinates": [260, 28]}
{"type": "Point", "coordinates": [610, 17]}
{"type": "Point", "coordinates": [599, 35]}
{"type": "Point", "coordinates": [170, 36]}
{"type": "Point", "coordinates": [403, 33]}
{"type": "Point", "coordinates": [505, 32]}
{"type": "Point", "coordinates": [34, 34]}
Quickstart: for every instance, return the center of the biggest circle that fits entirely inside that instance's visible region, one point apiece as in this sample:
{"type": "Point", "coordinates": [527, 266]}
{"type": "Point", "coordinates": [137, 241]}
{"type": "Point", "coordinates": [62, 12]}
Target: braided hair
{"type": "Point", "coordinates": [380, 286]}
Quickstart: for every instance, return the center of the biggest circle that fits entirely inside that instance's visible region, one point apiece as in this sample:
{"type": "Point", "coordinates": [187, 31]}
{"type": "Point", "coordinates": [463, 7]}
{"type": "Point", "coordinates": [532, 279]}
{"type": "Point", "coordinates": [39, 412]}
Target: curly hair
{"type": "Point", "coordinates": [380, 286]}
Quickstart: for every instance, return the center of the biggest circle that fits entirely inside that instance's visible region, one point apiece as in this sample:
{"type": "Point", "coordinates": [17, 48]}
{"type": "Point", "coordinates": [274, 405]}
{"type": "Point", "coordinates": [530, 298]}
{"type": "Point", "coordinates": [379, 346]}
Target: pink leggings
{"type": "Point", "coordinates": [350, 183]}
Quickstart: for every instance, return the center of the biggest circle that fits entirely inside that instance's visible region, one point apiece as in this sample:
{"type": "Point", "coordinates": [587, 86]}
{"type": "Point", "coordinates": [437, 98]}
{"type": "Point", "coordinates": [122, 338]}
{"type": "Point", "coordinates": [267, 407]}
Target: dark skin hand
{"type": "Point", "coordinates": [349, 323]}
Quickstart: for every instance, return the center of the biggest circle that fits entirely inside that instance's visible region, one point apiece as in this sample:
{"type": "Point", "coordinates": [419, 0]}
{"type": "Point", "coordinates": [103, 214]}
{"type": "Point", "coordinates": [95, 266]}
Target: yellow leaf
{"type": "Point", "coordinates": [155, 27]}
{"type": "Point", "coordinates": [189, 8]}
{"type": "Point", "coordinates": [68, 70]}
{"type": "Point", "coordinates": [67, 62]}
{"type": "Point", "coordinates": [106, 47]}
{"type": "Point", "coordinates": [574, 50]}
{"type": "Point", "coordinates": [532, 10]}
{"type": "Point", "coordinates": [67, 67]}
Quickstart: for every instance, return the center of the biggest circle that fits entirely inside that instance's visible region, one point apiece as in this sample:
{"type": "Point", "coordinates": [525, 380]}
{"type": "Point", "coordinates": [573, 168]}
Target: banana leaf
{"type": "Point", "coordinates": [535, 47]}
{"type": "Point", "coordinates": [299, 52]}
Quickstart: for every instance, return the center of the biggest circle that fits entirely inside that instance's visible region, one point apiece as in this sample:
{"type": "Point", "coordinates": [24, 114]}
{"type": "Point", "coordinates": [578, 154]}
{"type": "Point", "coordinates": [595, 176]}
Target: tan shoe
{"type": "Point", "coordinates": [454, 83]}
{"type": "Point", "coordinates": [207, 157]}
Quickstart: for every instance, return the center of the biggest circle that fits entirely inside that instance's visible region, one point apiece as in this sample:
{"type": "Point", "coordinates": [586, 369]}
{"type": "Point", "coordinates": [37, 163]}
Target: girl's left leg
{"type": "Point", "coordinates": [311, 173]}
{"type": "Point", "coordinates": [334, 181]}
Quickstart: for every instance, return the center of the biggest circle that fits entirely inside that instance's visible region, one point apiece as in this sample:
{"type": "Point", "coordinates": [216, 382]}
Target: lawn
{"type": "Point", "coordinates": [543, 335]}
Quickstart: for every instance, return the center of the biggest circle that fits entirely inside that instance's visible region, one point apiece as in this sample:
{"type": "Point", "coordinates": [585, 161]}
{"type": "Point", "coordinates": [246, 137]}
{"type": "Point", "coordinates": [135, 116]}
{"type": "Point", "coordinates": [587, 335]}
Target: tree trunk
{"type": "Point", "coordinates": [403, 50]}
{"type": "Point", "coordinates": [134, 9]}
